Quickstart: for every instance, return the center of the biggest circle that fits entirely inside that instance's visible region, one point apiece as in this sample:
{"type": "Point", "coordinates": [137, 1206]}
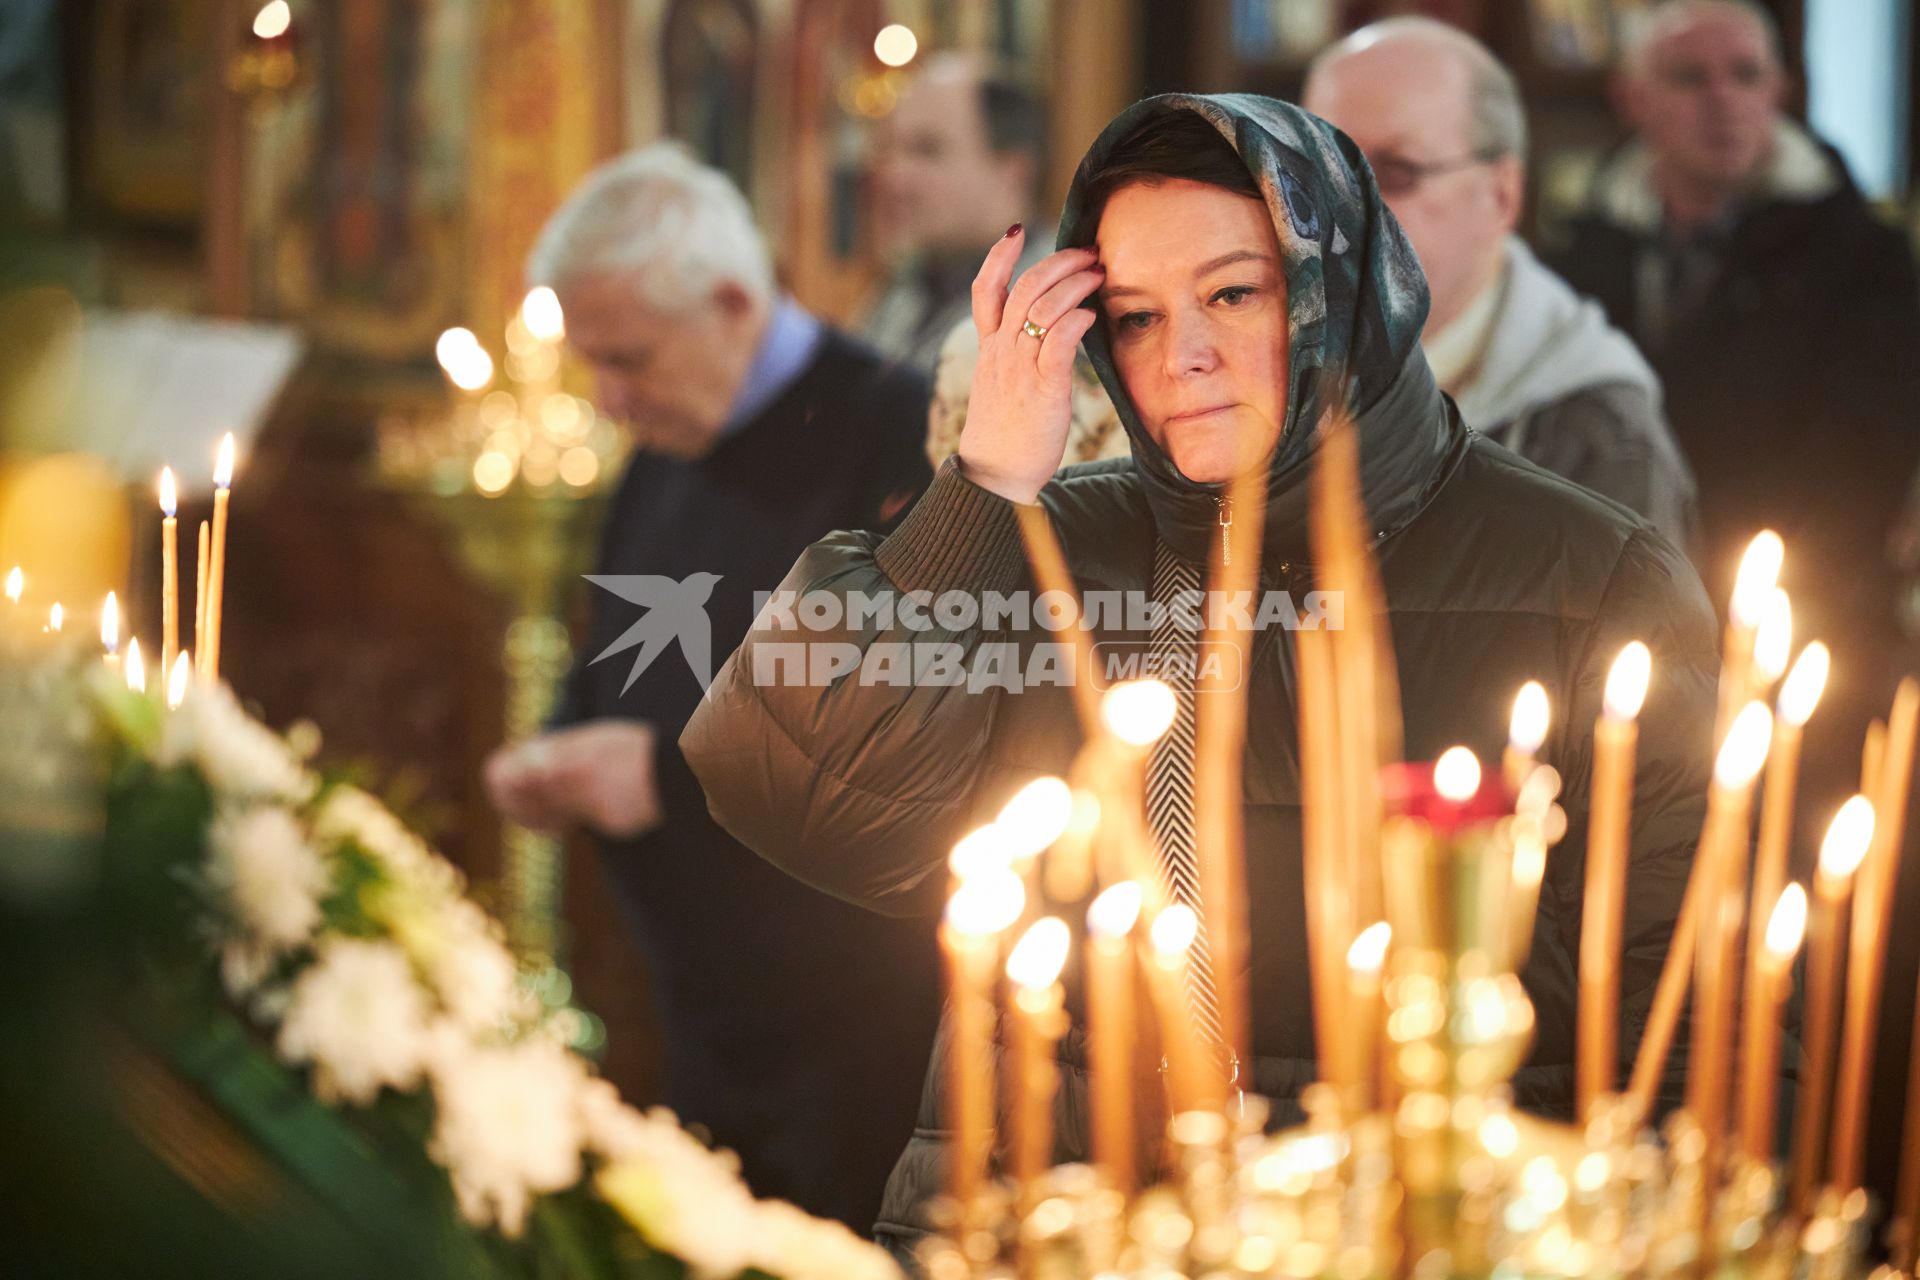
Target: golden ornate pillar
{"type": "Point", "coordinates": [545, 101]}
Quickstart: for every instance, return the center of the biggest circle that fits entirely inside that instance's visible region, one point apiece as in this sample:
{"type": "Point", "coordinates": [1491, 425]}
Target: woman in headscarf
{"type": "Point", "coordinates": [1233, 274]}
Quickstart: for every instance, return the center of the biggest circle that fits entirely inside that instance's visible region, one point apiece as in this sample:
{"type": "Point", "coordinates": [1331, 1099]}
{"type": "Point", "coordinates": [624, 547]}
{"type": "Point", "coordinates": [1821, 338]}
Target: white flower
{"type": "Point", "coordinates": [507, 1125]}
{"type": "Point", "coordinates": [794, 1245]}
{"type": "Point", "coordinates": [349, 813]}
{"type": "Point", "coordinates": [359, 1016]}
{"type": "Point", "coordinates": [679, 1196]}
{"type": "Point", "coordinates": [476, 976]}
{"type": "Point", "coordinates": [241, 758]}
{"type": "Point", "coordinates": [243, 967]}
{"type": "Point", "coordinates": [270, 876]}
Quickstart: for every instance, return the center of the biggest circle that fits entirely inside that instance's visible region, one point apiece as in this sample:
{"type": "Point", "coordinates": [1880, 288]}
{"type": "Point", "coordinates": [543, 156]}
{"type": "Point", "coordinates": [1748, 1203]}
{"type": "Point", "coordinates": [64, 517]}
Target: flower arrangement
{"type": "Point", "coordinates": [351, 951]}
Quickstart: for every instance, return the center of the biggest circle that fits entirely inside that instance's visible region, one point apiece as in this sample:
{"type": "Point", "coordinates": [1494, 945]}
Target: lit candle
{"type": "Point", "coordinates": [1906, 1199]}
{"type": "Point", "coordinates": [1867, 949]}
{"type": "Point", "coordinates": [1526, 731]}
{"type": "Point", "coordinates": [1841, 853]}
{"type": "Point", "coordinates": [1329, 895]}
{"type": "Point", "coordinates": [1772, 641]}
{"type": "Point", "coordinates": [1760, 1065]}
{"type": "Point", "coordinates": [177, 681]}
{"type": "Point", "coordinates": [217, 574]}
{"type": "Point", "coordinates": [1535, 819]}
{"type": "Point", "coordinates": [1367, 1011]}
{"type": "Point", "coordinates": [1135, 714]}
{"type": "Point", "coordinates": [110, 631]}
{"type": "Point", "coordinates": [56, 618]}
{"type": "Point", "coordinates": [979, 910]}
{"type": "Point", "coordinates": [1753, 589]}
{"type": "Point", "coordinates": [169, 569]}
{"type": "Point", "coordinates": [1110, 1029]}
{"type": "Point", "coordinates": [16, 586]}
{"type": "Point", "coordinates": [1798, 698]}
{"type": "Point", "coordinates": [136, 667]}
{"type": "Point", "coordinates": [1616, 738]}
{"type": "Point", "coordinates": [200, 594]}
{"type": "Point", "coordinates": [1033, 970]}
{"type": "Point", "coordinates": [465, 361]}
{"type": "Point", "coordinates": [1032, 821]}
{"type": "Point", "coordinates": [1171, 936]}
{"type": "Point", "coordinates": [1723, 848]}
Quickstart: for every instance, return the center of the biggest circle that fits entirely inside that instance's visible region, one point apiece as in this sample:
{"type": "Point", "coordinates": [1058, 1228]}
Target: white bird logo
{"type": "Point", "coordinates": [675, 610]}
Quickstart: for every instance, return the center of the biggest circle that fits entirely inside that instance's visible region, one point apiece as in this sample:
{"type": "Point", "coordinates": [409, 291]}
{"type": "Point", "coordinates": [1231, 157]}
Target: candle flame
{"type": "Point", "coordinates": [1529, 855]}
{"type": "Point", "coordinates": [136, 667]}
{"type": "Point", "coordinates": [169, 495]}
{"type": "Point", "coordinates": [981, 851]}
{"type": "Point", "coordinates": [177, 682]}
{"type": "Point", "coordinates": [1745, 749]}
{"type": "Point", "coordinates": [1538, 791]}
{"type": "Point", "coordinates": [223, 464]}
{"type": "Point", "coordinates": [1456, 775]}
{"type": "Point", "coordinates": [1787, 925]}
{"type": "Point", "coordinates": [1174, 930]}
{"type": "Point", "coordinates": [1773, 644]}
{"type": "Point", "coordinates": [1805, 683]}
{"type": "Point", "coordinates": [895, 44]}
{"type": "Point", "coordinates": [1627, 682]}
{"type": "Point", "coordinates": [1037, 816]}
{"type": "Point", "coordinates": [1528, 727]}
{"type": "Point", "coordinates": [541, 313]}
{"type": "Point", "coordinates": [452, 345]}
{"type": "Point", "coordinates": [1138, 711]}
{"type": "Point", "coordinates": [273, 20]}
{"type": "Point", "coordinates": [56, 617]}
{"type": "Point", "coordinates": [1848, 836]}
{"type": "Point", "coordinates": [16, 583]}
{"type": "Point", "coordinates": [110, 624]}
{"type": "Point", "coordinates": [986, 904]}
{"type": "Point", "coordinates": [1114, 913]}
{"type": "Point", "coordinates": [1036, 960]}
{"type": "Point", "coordinates": [1759, 574]}
{"type": "Point", "coordinates": [1369, 950]}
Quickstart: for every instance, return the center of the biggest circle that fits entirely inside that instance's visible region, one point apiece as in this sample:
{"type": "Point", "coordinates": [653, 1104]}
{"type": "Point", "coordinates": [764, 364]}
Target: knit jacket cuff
{"type": "Point", "coordinates": [957, 537]}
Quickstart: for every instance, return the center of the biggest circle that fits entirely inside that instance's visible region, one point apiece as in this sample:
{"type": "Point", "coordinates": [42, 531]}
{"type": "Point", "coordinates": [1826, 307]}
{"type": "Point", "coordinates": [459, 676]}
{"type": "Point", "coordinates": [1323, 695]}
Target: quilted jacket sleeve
{"type": "Point", "coordinates": [852, 785]}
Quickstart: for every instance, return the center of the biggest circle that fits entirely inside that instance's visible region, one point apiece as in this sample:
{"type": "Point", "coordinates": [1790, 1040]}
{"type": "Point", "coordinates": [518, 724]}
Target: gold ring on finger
{"type": "Point", "coordinates": [1033, 330]}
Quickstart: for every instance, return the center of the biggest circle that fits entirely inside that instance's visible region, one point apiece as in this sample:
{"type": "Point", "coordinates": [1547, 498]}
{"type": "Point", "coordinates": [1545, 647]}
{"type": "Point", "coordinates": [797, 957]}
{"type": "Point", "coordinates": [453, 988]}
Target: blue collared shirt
{"type": "Point", "coordinates": [786, 348]}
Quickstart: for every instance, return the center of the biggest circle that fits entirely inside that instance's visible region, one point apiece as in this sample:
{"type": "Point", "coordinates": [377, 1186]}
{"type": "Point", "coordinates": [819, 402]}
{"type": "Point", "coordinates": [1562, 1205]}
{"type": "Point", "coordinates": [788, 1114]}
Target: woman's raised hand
{"type": "Point", "coordinates": [1022, 399]}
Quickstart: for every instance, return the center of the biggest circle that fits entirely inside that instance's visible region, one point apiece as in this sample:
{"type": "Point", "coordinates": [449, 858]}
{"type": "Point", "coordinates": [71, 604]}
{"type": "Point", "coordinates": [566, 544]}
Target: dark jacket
{"type": "Point", "coordinates": [794, 1025]}
{"type": "Point", "coordinates": [1564, 389]}
{"type": "Point", "coordinates": [1494, 572]}
{"type": "Point", "coordinates": [1791, 363]}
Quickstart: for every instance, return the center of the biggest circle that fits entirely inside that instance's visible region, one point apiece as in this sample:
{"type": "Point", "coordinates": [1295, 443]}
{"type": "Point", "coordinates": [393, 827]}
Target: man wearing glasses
{"type": "Point", "coordinates": [1530, 363]}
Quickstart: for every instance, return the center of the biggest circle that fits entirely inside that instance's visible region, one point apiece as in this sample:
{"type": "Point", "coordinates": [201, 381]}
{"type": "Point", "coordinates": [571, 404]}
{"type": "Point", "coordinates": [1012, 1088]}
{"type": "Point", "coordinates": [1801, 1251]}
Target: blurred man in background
{"type": "Point", "coordinates": [796, 1026]}
{"type": "Point", "coordinates": [957, 162]}
{"type": "Point", "coordinates": [1785, 319]}
{"type": "Point", "coordinates": [1531, 364]}
{"type": "Point", "coordinates": [1781, 315]}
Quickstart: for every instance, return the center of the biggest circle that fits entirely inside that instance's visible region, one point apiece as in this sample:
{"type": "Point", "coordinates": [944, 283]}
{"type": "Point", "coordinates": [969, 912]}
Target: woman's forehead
{"type": "Point", "coordinates": [1180, 227]}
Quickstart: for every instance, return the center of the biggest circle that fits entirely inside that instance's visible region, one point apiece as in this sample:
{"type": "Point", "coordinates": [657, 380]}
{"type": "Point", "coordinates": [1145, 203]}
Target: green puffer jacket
{"type": "Point", "coordinates": [1494, 572]}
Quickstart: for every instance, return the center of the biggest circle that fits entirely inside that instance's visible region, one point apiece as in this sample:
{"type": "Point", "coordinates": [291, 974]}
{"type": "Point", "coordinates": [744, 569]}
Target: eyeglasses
{"type": "Point", "coordinates": [1399, 176]}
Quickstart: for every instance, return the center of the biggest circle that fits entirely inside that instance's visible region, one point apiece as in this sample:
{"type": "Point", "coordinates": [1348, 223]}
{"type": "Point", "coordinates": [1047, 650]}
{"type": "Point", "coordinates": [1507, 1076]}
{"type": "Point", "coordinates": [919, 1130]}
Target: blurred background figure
{"type": "Point", "coordinates": [1530, 364]}
{"type": "Point", "coordinates": [957, 163]}
{"type": "Point", "coordinates": [1094, 435]}
{"type": "Point", "coordinates": [1780, 313]}
{"type": "Point", "coordinates": [795, 1026]}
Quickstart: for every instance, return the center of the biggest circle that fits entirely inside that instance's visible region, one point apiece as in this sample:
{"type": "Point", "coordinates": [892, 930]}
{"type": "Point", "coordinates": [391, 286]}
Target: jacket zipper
{"type": "Point", "coordinates": [1225, 505]}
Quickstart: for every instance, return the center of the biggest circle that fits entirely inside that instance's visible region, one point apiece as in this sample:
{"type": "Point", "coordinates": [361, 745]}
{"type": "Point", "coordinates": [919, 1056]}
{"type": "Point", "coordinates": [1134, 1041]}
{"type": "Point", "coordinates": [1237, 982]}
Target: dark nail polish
{"type": "Point", "coordinates": [1013, 230]}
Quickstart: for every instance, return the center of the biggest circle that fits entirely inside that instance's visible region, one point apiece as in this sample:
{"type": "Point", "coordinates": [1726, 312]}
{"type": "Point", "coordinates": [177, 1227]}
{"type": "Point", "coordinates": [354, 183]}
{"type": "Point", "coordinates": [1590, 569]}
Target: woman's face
{"type": "Point", "coordinates": [1196, 305]}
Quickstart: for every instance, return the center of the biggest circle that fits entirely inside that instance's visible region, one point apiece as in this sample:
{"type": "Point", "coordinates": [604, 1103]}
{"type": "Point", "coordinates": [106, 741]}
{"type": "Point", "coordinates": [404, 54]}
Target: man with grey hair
{"type": "Point", "coordinates": [1530, 364]}
{"type": "Point", "coordinates": [795, 1026]}
{"type": "Point", "coordinates": [1780, 313]}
